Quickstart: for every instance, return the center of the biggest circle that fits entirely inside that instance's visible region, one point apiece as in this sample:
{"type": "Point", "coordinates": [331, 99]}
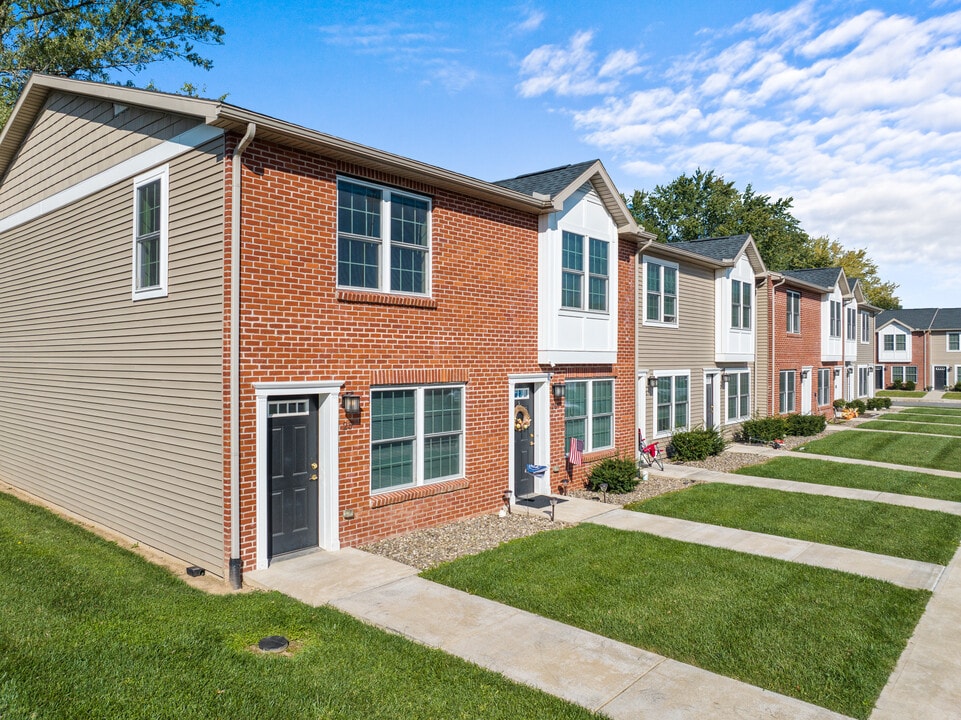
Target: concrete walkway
{"type": "Point", "coordinates": [618, 680]}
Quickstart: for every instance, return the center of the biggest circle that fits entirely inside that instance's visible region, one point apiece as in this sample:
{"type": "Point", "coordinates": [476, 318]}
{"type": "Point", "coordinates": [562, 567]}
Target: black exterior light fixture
{"type": "Point", "coordinates": [651, 383]}
{"type": "Point", "coordinates": [560, 390]}
{"type": "Point", "coordinates": [351, 403]}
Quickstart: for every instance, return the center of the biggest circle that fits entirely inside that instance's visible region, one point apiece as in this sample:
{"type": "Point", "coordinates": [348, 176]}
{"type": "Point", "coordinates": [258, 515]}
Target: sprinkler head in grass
{"type": "Point", "coordinates": [273, 644]}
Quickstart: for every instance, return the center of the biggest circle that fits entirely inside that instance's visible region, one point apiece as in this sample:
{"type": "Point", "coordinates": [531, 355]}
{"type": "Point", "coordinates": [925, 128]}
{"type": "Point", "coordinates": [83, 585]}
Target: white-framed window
{"type": "Point", "coordinates": [793, 312]}
{"type": "Point", "coordinates": [416, 436]}
{"type": "Point", "coordinates": [954, 342]}
{"type": "Point", "coordinates": [894, 342]}
{"type": "Point", "coordinates": [904, 373]}
{"type": "Point", "coordinates": [824, 386]}
{"type": "Point", "coordinates": [865, 327]}
{"type": "Point", "coordinates": [863, 382]}
{"type": "Point", "coordinates": [738, 395]}
{"type": "Point", "coordinates": [150, 243]}
{"type": "Point", "coordinates": [575, 271]}
{"type": "Point", "coordinates": [835, 311]}
{"type": "Point", "coordinates": [672, 402]}
{"type": "Point", "coordinates": [589, 413]}
{"type": "Point", "coordinates": [787, 391]}
{"type": "Point", "coordinates": [741, 304]}
{"type": "Point", "coordinates": [383, 239]}
{"type": "Point", "coordinates": [660, 292]}
{"type": "Point", "coordinates": [852, 328]}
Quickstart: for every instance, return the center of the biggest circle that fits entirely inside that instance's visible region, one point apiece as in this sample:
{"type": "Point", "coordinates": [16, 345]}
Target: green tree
{"type": "Point", "coordinates": [89, 39]}
{"type": "Point", "coordinates": [706, 205]}
{"type": "Point", "coordinates": [824, 252]}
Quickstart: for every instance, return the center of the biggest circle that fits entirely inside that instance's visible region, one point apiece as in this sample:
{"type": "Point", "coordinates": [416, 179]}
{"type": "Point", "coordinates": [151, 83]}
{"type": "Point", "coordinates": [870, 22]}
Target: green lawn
{"type": "Point", "coordinates": [901, 393]}
{"type": "Point", "coordinates": [930, 411]}
{"type": "Point", "coordinates": [823, 636]}
{"type": "Point", "coordinates": [825, 472]}
{"type": "Point", "coordinates": [952, 396]}
{"type": "Point", "coordinates": [912, 427]}
{"type": "Point", "coordinates": [939, 453]}
{"type": "Point", "coordinates": [859, 524]}
{"type": "Point", "coordinates": [89, 630]}
{"type": "Point", "coordinates": [922, 418]}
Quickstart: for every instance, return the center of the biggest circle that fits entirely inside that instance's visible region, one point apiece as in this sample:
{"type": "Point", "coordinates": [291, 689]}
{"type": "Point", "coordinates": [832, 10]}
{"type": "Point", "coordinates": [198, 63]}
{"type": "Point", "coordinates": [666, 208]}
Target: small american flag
{"type": "Point", "coordinates": [576, 455]}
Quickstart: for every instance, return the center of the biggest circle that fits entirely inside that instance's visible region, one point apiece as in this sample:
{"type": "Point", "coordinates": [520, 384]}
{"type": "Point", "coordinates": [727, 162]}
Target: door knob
{"type": "Point", "coordinates": [314, 476]}
{"type": "Point", "coordinates": [313, 466]}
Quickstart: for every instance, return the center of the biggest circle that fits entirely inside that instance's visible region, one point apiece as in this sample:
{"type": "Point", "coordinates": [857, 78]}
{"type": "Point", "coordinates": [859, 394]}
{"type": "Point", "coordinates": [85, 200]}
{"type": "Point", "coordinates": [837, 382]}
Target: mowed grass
{"type": "Point", "coordinates": [912, 427]}
{"type": "Point", "coordinates": [870, 526]}
{"type": "Point", "coordinates": [825, 472]}
{"type": "Point", "coordinates": [942, 412]}
{"type": "Point", "coordinates": [88, 630]}
{"type": "Point", "coordinates": [952, 396]}
{"type": "Point", "coordinates": [826, 637]}
{"type": "Point", "coordinates": [901, 393]}
{"type": "Point", "coordinates": [939, 453]}
{"type": "Point", "coordinates": [921, 418]}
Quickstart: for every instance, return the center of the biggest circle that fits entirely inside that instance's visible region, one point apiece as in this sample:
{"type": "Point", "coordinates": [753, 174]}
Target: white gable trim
{"type": "Point", "coordinates": [157, 155]}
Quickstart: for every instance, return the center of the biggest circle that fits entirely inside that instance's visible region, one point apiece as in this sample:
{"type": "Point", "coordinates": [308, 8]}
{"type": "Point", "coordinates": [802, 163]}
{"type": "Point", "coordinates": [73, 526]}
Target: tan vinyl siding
{"type": "Point", "coordinates": [75, 138]}
{"type": "Point", "coordinates": [113, 408]}
{"type": "Point", "coordinates": [866, 353]}
{"type": "Point", "coordinates": [761, 400]}
{"type": "Point", "coordinates": [690, 345]}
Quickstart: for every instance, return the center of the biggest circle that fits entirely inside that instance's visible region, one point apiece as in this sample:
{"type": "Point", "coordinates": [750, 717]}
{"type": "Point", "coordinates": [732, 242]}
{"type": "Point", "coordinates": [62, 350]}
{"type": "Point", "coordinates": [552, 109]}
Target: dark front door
{"type": "Point", "coordinates": [879, 377]}
{"type": "Point", "coordinates": [292, 491]}
{"type": "Point", "coordinates": [709, 402]}
{"type": "Point", "coordinates": [523, 440]}
{"type": "Point", "coordinates": [940, 377]}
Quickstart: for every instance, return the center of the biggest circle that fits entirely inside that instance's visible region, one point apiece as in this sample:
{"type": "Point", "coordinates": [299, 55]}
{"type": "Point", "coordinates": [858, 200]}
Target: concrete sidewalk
{"type": "Point", "coordinates": [602, 675]}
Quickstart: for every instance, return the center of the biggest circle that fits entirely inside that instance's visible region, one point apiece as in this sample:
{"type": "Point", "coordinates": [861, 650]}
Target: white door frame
{"type": "Point", "coordinates": [542, 429]}
{"type": "Point", "coordinates": [806, 387]}
{"type": "Point", "coordinates": [328, 444]}
{"type": "Point", "coordinates": [640, 410]}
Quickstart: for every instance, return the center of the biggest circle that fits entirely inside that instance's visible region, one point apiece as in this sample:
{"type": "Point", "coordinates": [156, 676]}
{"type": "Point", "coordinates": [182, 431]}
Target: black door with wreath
{"type": "Point", "coordinates": [523, 440]}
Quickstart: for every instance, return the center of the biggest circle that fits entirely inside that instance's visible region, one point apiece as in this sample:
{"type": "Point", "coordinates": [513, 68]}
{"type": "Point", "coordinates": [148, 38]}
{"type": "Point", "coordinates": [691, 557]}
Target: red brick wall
{"type": "Point", "coordinates": [479, 326]}
{"type": "Point", "coordinates": [792, 351]}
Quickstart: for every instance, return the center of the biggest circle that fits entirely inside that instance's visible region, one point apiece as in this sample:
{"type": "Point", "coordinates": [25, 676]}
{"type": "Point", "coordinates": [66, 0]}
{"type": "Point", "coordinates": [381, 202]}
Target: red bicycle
{"type": "Point", "coordinates": [650, 453]}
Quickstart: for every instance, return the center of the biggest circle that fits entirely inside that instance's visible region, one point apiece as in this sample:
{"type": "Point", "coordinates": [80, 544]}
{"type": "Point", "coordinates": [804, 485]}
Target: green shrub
{"type": "Point", "coordinates": [839, 404]}
{"type": "Point", "coordinates": [910, 385]}
{"type": "Point", "coordinates": [805, 425]}
{"type": "Point", "coordinates": [620, 475]}
{"type": "Point", "coordinates": [765, 429]}
{"type": "Point", "coordinates": [896, 385]}
{"type": "Point", "coordinates": [878, 403]}
{"type": "Point", "coordinates": [957, 386]}
{"type": "Point", "coordinates": [696, 444]}
{"type": "Point", "coordinates": [858, 405]}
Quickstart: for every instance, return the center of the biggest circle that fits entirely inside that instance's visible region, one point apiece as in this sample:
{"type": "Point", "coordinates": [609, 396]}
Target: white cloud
{"type": "Point", "coordinates": [532, 21]}
{"type": "Point", "coordinates": [856, 116]}
{"type": "Point", "coordinates": [572, 70]}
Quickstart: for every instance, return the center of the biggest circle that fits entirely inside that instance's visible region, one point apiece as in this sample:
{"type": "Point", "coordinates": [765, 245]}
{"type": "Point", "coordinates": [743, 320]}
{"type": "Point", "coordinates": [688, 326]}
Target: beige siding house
{"type": "Point", "coordinates": [128, 390]}
{"type": "Point", "coordinates": [697, 334]}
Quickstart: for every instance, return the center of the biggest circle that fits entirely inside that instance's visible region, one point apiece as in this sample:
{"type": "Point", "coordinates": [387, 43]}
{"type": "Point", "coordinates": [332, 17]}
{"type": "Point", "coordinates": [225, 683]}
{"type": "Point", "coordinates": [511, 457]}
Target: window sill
{"type": "Point", "coordinates": [415, 493]}
{"type": "Point", "coordinates": [654, 323]}
{"type": "Point", "coordinates": [366, 297]}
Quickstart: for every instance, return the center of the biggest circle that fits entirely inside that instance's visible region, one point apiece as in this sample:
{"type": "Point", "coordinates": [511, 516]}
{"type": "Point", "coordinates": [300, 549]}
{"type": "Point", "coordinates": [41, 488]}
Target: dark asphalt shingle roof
{"type": "Point", "coordinates": [826, 278]}
{"type": "Point", "coordinates": [718, 248]}
{"type": "Point", "coordinates": [947, 319]}
{"type": "Point", "coordinates": [546, 182]}
{"type": "Point", "coordinates": [915, 318]}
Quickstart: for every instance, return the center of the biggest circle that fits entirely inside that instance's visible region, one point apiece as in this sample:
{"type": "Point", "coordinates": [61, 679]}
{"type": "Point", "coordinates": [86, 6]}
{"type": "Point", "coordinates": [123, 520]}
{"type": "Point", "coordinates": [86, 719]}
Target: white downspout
{"type": "Point", "coordinates": [236, 564]}
{"type": "Point", "coordinates": [638, 280]}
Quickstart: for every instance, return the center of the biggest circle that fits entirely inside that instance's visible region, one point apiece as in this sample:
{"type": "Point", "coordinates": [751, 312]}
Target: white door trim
{"type": "Point", "coordinates": [806, 388]}
{"type": "Point", "coordinates": [542, 429]}
{"type": "Point", "coordinates": [328, 443]}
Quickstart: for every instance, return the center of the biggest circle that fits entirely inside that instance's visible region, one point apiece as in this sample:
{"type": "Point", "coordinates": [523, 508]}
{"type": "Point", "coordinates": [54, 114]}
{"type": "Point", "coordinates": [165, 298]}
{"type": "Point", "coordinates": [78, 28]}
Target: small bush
{"type": "Point", "coordinates": [883, 403]}
{"type": "Point", "coordinates": [696, 444]}
{"type": "Point", "coordinates": [910, 385]}
{"type": "Point", "coordinates": [957, 386]}
{"type": "Point", "coordinates": [896, 385]}
{"type": "Point", "coordinates": [619, 473]}
{"type": "Point", "coordinates": [839, 404]}
{"type": "Point", "coordinates": [765, 429]}
{"type": "Point", "coordinates": [805, 425]}
{"type": "Point", "coordinates": [858, 405]}
{"type": "Point", "coordinates": [873, 404]}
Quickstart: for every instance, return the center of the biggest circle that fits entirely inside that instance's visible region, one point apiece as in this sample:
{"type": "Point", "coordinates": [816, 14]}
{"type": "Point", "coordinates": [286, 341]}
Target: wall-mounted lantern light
{"type": "Point", "coordinates": [651, 383]}
{"type": "Point", "coordinates": [559, 389]}
{"type": "Point", "coordinates": [351, 403]}
{"type": "Point", "coordinates": [804, 374]}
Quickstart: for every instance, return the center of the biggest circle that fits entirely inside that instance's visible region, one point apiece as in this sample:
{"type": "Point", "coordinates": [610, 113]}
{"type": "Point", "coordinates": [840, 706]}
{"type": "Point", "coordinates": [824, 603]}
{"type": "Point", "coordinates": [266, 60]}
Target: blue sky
{"type": "Point", "coordinates": [852, 108]}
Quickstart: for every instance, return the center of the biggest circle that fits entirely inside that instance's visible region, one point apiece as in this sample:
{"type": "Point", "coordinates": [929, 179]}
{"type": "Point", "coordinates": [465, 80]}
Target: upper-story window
{"type": "Point", "coordinates": [741, 304]}
{"type": "Point", "coordinates": [865, 327]}
{"type": "Point", "coordinates": [835, 310]}
{"type": "Point", "coordinates": [793, 311]}
{"type": "Point", "coordinates": [150, 235]}
{"type": "Point", "coordinates": [954, 342]}
{"type": "Point", "coordinates": [852, 330]}
{"type": "Point", "coordinates": [660, 292]}
{"type": "Point", "coordinates": [574, 272]}
{"type": "Point", "coordinates": [383, 239]}
{"type": "Point", "coordinates": [893, 342]}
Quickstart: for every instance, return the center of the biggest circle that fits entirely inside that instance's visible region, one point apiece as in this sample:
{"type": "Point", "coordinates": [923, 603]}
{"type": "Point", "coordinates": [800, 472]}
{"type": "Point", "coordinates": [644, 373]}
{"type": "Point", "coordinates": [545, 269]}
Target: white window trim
{"type": "Point", "coordinates": [674, 427]}
{"type": "Point", "coordinates": [589, 417]}
{"type": "Point", "coordinates": [384, 268]}
{"type": "Point", "coordinates": [829, 386]}
{"type": "Point", "coordinates": [864, 320]}
{"type": "Point", "coordinates": [851, 329]}
{"type": "Point", "coordinates": [160, 290]}
{"type": "Point", "coordinates": [419, 480]}
{"type": "Point", "coordinates": [677, 307]}
{"type": "Point", "coordinates": [739, 304]}
{"type": "Point", "coordinates": [831, 319]}
{"type": "Point", "coordinates": [586, 275]}
{"type": "Point", "coordinates": [793, 392]}
{"type": "Point", "coordinates": [947, 341]}
{"type": "Point", "coordinates": [739, 418]}
{"type": "Point", "coordinates": [788, 314]}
